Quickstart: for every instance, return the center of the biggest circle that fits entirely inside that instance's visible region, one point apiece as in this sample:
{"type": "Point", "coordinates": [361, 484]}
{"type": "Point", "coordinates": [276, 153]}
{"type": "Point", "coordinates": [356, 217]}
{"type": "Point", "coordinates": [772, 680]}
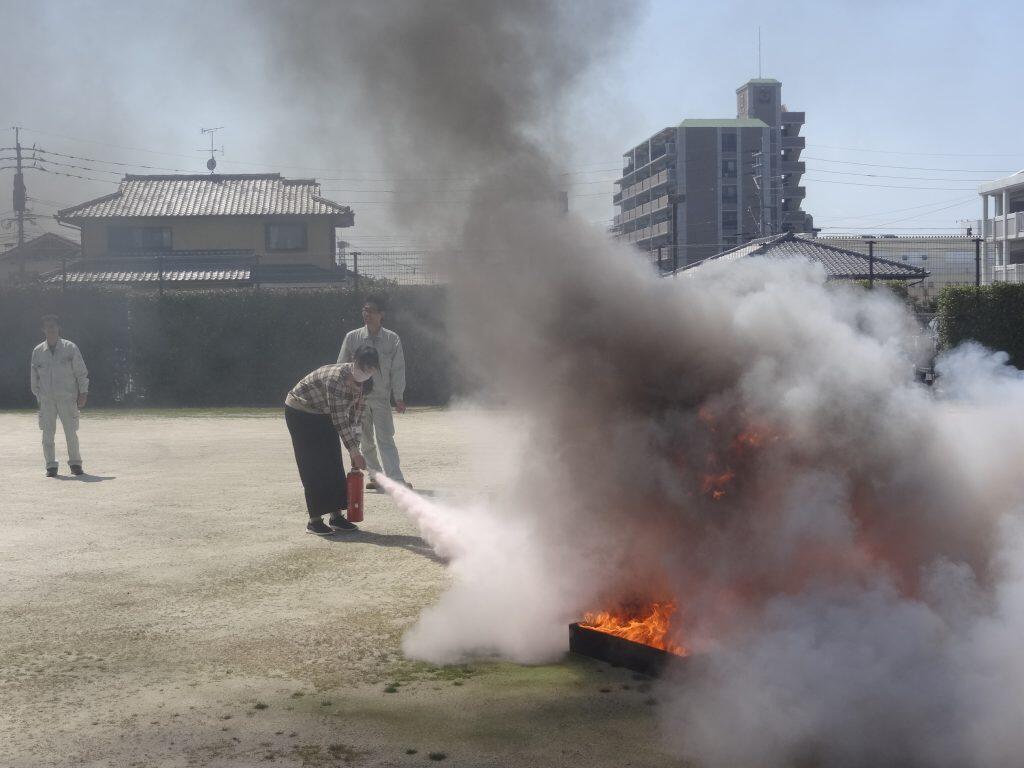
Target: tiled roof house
{"type": "Point", "coordinates": [37, 256]}
{"type": "Point", "coordinates": [229, 229]}
{"type": "Point", "coordinates": [839, 263]}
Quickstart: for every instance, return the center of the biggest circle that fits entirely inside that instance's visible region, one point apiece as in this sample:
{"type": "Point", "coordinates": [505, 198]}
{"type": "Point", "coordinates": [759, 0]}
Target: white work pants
{"type": "Point", "coordinates": [379, 435]}
{"type": "Point", "coordinates": [65, 409]}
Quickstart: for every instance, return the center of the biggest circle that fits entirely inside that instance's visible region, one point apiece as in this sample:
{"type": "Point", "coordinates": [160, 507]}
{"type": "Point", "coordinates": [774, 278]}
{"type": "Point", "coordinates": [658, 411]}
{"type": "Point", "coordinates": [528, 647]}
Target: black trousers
{"type": "Point", "coordinates": [318, 454]}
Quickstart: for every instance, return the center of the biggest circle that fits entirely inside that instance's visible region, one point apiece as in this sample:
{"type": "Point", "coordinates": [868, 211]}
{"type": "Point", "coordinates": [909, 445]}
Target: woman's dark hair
{"type": "Point", "coordinates": [367, 357]}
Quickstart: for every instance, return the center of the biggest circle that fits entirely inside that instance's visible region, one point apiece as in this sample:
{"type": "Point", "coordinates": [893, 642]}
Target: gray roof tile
{"type": "Point", "coordinates": [839, 263]}
{"type": "Point", "coordinates": [211, 195]}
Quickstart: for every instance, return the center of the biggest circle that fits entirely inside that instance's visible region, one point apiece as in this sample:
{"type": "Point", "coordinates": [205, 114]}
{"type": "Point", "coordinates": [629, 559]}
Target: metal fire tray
{"type": "Point", "coordinates": [618, 651]}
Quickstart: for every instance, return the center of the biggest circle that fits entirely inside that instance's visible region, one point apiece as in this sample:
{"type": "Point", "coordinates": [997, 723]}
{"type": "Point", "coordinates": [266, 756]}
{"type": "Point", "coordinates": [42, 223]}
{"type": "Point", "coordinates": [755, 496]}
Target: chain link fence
{"type": "Point", "coordinates": [399, 267]}
{"type": "Point", "coordinates": [949, 260]}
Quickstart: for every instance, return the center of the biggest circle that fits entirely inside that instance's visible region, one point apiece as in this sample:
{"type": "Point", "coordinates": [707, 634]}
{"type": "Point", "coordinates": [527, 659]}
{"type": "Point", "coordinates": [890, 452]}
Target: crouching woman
{"type": "Point", "coordinates": [326, 404]}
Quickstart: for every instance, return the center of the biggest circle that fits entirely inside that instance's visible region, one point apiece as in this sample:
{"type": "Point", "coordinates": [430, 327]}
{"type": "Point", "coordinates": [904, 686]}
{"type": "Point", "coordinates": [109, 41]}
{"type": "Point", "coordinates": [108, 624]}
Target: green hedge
{"type": "Point", "coordinates": [992, 315]}
{"type": "Point", "coordinates": [95, 319]}
{"type": "Point", "coordinates": [216, 347]}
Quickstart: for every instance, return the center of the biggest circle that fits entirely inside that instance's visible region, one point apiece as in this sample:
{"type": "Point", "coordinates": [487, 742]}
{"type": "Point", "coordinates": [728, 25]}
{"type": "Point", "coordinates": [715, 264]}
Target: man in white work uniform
{"type": "Point", "coordinates": [378, 426]}
{"type": "Point", "coordinates": [60, 382]}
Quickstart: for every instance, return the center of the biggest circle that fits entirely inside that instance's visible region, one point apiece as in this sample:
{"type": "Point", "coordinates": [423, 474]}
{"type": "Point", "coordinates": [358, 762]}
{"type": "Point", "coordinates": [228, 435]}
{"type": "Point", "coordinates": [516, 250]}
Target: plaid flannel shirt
{"type": "Point", "coordinates": [333, 391]}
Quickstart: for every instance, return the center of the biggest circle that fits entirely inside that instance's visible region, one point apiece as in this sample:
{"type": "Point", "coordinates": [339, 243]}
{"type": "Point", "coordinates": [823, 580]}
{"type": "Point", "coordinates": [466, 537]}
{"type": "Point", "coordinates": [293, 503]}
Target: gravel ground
{"type": "Point", "coordinates": [168, 610]}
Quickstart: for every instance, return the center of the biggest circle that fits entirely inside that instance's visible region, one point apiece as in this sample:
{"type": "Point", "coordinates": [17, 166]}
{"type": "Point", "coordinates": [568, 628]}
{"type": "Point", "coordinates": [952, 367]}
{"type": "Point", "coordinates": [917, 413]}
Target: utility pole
{"type": "Point", "coordinates": [19, 198]}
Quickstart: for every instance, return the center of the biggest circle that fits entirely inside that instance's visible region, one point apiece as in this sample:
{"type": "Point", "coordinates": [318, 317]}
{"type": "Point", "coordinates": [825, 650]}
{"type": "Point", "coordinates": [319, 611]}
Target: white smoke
{"type": "Point", "coordinates": [850, 575]}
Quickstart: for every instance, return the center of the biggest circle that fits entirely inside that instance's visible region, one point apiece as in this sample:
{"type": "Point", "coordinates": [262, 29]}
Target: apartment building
{"type": "Point", "coordinates": [690, 191]}
{"type": "Point", "coordinates": [1002, 233]}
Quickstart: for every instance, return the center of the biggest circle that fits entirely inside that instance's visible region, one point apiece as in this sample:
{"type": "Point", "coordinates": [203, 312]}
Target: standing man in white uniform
{"type": "Point", "coordinates": [60, 382]}
{"type": "Point", "coordinates": [378, 425]}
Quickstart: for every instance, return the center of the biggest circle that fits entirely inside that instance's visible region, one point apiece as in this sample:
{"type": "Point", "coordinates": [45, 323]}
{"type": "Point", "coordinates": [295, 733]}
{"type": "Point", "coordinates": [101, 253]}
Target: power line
{"type": "Point", "coordinates": [885, 176]}
{"type": "Point", "coordinates": [890, 186]}
{"type": "Point", "coordinates": [75, 176]}
{"type": "Point", "coordinates": [908, 167]}
{"type": "Point", "coordinates": [921, 154]}
{"type": "Point", "coordinates": [108, 162]}
{"type": "Point", "coordinates": [361, 175]}
{"type": "Point", "coordinates": [909, 208]}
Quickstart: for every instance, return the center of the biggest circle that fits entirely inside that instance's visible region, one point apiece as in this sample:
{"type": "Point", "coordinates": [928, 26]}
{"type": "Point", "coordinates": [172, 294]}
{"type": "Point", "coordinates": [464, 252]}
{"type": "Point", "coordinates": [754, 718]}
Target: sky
{"type": "Point", "coordinates": [909, 105]}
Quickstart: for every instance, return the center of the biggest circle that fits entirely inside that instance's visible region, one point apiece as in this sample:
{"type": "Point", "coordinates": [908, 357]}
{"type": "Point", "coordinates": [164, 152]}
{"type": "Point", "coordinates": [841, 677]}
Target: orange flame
{"type": "Point", "coordinates": [649, 626]}
{"type": "Point", "coordinates": [715, 484]}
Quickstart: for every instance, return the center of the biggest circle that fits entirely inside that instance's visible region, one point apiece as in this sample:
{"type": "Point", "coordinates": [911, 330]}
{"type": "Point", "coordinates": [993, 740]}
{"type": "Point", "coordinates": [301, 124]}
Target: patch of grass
{"type": "Point", "coordinates": [457, 682]}
{"type": "Point", "coordinates": [344, 752]}
{"type": "Point", "coordinates": [325, 703]}
{"type": "Point", "coordinates": [260, 705]}
{"type": "Point", "coordinates": [298, 695]}
{"type": "Point", "coordinates": [606, 690]}
{"type": "Point", "coordinates": [411, 751]}
{"type": "Point", "coordinates": [308, 753]}
{"type": "Point", "coordinates": [437, 755]}
{"type": "Point", "coordinates": [391, 689]}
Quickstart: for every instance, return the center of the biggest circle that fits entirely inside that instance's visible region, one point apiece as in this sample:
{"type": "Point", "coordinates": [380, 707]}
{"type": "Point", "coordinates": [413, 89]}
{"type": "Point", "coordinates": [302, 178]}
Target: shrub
{"type": "Point", "coordinates": [96, 319]}
{"type": "Point", "coordinates": [215, 347]}
{"type": "Point", "coordinates": [992, 315]}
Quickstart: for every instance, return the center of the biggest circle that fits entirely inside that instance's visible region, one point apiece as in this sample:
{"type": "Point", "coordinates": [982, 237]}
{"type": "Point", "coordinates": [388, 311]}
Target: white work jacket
{"type": "Point", "coordinates": [391, 378]}
{"type": "Point", "coordinates": [58, 375]}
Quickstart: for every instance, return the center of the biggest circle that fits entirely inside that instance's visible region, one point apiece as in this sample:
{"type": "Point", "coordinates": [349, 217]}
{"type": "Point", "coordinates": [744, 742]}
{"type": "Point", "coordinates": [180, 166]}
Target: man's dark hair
{"type": "Point", "coordinates": [367, 357]}
{"type": "Point", "coordinates": [379, 300]}
{"type": "Point", "coordinates": [50, 318]}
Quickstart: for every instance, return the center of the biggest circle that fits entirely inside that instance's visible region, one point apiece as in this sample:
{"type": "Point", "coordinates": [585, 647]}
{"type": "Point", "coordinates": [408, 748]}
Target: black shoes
{"type": "Point", "coordinates": [51, 471]}
{"type": "Point", "coordinates": [76, 469]}
{"type": "Point", "coordinates": [316, 526]}
{"type": "Point", "coordinates": [338, 523]}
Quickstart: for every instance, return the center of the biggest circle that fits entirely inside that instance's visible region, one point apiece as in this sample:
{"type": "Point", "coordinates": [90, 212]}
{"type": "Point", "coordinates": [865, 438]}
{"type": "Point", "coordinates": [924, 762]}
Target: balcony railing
{"type": "Point", "coordinates": [1012, 225]}
{"type": "Point", "coordinates": [794, 142]}
{"type": "Point", "coordinates": [1011, 273]}
{"type": "Point", "coordinates": [652, 182]}
{"type": "Point", "coordinates": [793, 193]}
{"type": "Point", "coordinates": [648, 233]}
{"type": "Point", "coordinates": [793, 117]}
{"type": "Point", "coordinates": [792, 166]}
{"type": "Point", "coordinates": [654, 206]}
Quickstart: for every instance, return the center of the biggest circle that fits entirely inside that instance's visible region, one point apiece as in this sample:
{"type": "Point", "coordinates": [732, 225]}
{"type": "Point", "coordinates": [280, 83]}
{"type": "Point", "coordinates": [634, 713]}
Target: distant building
{"type": "Point", "coordinates": [231, 229]}
{"type": "Point", "coordinates": [949, 259]}
{"type": "Point", "coordinates": [1003, 232]}
{"type": "Point", "coordinates": [37, 256]}
{"type": "Point", "coordinates": [691, 190]}
{"type": "Point", "coordinates": [839, 263]}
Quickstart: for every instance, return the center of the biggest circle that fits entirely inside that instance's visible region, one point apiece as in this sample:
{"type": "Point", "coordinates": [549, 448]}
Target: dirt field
{"type": "Point", "coordinates": [168, 610]}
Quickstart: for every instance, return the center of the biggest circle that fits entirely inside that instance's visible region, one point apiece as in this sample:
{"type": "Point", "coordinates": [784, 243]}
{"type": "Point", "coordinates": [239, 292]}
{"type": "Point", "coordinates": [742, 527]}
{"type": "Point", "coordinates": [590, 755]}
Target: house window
{"type": "Point", "coordinates": [729, 193]}
{"type": "Point", "coordinates": [729, 169]}
{"type": "Point", "coordinates": [286, 236]}
{"type": "Point", "coordinates": [136, 239]}
{"type": "Point", "coordinates": [728, 142]}
{"type": "Point", "coordinates": [730, 220]}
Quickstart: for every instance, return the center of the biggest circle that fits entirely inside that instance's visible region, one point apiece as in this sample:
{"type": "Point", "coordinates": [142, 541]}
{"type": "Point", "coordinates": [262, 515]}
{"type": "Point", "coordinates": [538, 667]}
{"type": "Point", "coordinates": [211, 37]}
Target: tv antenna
{"type": "Point", "coordinates": [211, 164]}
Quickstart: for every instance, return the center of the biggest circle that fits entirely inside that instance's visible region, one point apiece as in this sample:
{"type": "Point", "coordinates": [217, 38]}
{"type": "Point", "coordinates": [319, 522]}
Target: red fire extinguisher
{"type": "Point", "coordinates": [355, 496]}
